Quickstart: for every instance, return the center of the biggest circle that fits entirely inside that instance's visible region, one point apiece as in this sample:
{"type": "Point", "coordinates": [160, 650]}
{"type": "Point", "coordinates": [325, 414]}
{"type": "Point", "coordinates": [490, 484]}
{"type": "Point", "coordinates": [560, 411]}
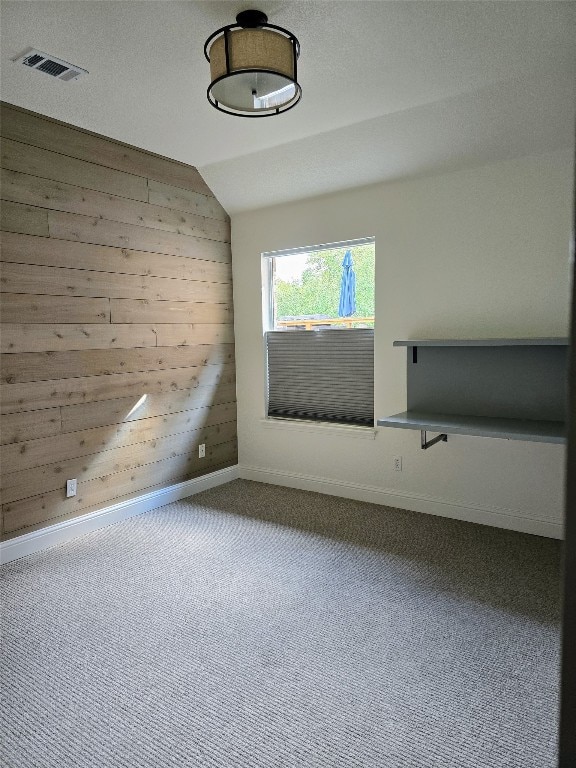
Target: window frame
{"type": "Point", "coordinates": [268, 324]}
{"type": "Point", "coordinates": [268, 263]}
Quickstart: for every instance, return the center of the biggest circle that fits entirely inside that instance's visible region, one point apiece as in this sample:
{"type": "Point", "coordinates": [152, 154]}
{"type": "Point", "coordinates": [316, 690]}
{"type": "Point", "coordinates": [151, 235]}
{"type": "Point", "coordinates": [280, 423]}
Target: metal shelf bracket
{"type": "Point", "coordinates": [424, 443]}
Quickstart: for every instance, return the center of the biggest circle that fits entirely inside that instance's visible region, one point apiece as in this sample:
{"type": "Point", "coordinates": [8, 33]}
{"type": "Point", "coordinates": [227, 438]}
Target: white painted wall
{"type": "Point", "coordinates": [476, 253]}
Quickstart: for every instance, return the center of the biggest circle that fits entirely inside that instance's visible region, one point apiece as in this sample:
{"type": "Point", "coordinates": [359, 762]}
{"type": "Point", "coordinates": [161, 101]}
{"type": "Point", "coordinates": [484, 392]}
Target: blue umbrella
{"type": "Point", "coordinates": [347, 304]}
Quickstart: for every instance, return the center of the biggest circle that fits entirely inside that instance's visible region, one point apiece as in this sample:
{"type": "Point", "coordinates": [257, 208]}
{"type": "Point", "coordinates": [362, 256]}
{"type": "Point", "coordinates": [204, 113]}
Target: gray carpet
{"type": "Point", "coordinates": [258, 627]}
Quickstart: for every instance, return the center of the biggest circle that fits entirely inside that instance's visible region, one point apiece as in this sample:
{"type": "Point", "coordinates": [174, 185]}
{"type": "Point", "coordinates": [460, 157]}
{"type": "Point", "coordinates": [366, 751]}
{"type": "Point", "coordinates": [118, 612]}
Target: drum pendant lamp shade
{"type": "Point", "coordinates": [253, 67]}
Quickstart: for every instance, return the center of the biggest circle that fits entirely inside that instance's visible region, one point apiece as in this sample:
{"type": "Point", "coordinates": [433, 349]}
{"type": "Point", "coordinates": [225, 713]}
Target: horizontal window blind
{"type": "Point", "coordinates": [324, 375]}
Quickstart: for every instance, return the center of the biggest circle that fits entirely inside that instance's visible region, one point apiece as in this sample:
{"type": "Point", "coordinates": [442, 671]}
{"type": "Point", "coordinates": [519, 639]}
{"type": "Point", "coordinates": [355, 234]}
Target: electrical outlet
{"type": "Point", "coordinates": [398, 463]}
{"type": "Point", "coordinates": [71, 488]}
{"type": "Point", "coordinates": [201, 450]}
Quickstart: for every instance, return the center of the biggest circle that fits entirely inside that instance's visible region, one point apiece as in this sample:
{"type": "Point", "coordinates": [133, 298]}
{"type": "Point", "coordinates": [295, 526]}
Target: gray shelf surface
{"type": "Point", "coordinates": [480, 426]}
{"type": "Point", "coordinates": [538, 342]}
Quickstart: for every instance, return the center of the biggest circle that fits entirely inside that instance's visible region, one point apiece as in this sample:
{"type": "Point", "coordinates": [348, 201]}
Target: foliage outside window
{"type": "Point", "coordinates": [306, 286]}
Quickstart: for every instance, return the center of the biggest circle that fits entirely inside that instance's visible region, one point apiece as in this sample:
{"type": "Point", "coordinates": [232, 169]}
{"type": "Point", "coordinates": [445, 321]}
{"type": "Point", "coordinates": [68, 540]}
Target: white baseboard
{"type": "Point", "coordinates": [67, 530]}
{"type": "Point", "coordinates": [59, 533]}
{"type": "Point", "coordinates": [496, 517]}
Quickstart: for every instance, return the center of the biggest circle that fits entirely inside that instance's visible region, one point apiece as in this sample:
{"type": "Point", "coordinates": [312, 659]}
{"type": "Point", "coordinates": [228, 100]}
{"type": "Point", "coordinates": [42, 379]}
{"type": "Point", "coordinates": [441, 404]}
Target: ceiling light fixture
{"type": "Point", "coordinates": [253, 67]}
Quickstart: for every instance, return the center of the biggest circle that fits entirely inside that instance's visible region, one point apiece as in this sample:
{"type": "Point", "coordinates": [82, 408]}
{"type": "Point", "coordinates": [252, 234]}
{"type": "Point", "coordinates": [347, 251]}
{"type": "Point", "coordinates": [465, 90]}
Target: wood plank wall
{"type": "Point", "coordinates": [117, 338]}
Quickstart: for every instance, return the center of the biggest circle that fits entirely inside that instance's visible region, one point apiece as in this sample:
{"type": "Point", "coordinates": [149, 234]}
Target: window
{"type": "Point", "coordinates": [305, 287]}
{"type": "Point", "coordinates": [319, 322]}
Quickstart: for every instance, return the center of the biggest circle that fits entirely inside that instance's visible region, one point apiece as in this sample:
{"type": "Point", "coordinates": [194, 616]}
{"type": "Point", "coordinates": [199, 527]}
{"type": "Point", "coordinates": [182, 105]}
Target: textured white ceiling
{"type": "Point", "coordinates": [390, 89]}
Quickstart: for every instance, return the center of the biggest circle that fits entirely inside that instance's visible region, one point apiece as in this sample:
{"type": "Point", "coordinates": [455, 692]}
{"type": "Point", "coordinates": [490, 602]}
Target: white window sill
{"type": "Point", "coordinates": [300, 425]}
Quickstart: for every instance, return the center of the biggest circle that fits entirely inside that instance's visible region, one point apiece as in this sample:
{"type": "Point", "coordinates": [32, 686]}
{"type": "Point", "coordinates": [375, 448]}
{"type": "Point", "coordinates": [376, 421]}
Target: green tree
{"type": "Point", "coordinates": [318, 290]}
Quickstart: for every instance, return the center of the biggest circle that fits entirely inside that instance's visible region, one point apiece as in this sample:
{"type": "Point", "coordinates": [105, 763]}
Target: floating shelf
{"type": "Point", "coordinates": [513, 389]}
{"type": "Point", "coordinates": [536, 342]}
{"type": "Point", "coordinates": [481, 426]}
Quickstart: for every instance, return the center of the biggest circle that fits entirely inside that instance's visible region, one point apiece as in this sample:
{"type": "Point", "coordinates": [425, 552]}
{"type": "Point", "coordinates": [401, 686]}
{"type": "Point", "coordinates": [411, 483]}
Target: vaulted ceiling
{"type": "Point", "coordinates": [390, 89]}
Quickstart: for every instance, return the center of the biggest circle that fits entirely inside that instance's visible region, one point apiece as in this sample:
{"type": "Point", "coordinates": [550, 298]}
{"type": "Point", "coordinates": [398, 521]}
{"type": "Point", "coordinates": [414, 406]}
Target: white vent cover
{"type": "Point", "coordinates": [50, 65]}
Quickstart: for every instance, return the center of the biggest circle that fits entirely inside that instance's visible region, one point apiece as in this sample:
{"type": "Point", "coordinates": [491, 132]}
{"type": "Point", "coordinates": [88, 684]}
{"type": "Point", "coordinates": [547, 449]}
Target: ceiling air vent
{"type": "Point", "coordinates": [43, 62]}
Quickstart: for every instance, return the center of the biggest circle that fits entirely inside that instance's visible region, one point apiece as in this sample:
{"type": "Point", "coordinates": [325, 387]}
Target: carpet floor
{"type": "Point", "coordinates": [253, 626]}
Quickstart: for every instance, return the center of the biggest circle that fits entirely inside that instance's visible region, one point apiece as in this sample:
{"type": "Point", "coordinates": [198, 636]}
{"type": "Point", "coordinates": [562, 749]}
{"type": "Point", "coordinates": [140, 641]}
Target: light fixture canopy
{"type": "Point", "coordinates": [253, 67]}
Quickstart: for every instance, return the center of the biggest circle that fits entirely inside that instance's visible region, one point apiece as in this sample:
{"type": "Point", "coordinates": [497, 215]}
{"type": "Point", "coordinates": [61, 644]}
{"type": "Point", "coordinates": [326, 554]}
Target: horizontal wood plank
{"type": "Point", "coordinates": [47, 394]}
{"type": "Point", "coordinates": [39, 337]}
{"type": "Point", "coordinates": [86, 229]}
{"type": "Point", "coordinates": [41, 131]}
{"type": "Point", "coordinates": [41, 366]}
{"type": "Point", "coordinates": [172, 312]}
{"type": "Point", "coordinates": [51, 505]}
{"type": "Point", "coordinates": [20, 308]}
{"type": "Point", "coordinates": [176, 198]}
{"type": "Point", "coordinates": [25, 158]}
{"type": "Point", "coordinates": [58, 196]}
{"type": "Point", "coordinates": [36, 453]}
{"type": "Point", "coordinates": [88, 415]}
{"type": "Point", "coordinates": [58, 281]}
{"type": "Point", "coordinates": [185, 335]}
{"type": "Point", "coordinates": [24, 219]}
{"type": "Point", "coordinates": [51, 477]}
{"type": "Point", "coordinates": [24, 249]}
{"type": "Point", "coordinates": [18, 427]}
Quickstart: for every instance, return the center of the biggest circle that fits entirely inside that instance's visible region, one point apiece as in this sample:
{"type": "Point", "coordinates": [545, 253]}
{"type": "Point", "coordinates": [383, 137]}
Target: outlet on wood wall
{"type": "Point", "coordinates": [117, 335]}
